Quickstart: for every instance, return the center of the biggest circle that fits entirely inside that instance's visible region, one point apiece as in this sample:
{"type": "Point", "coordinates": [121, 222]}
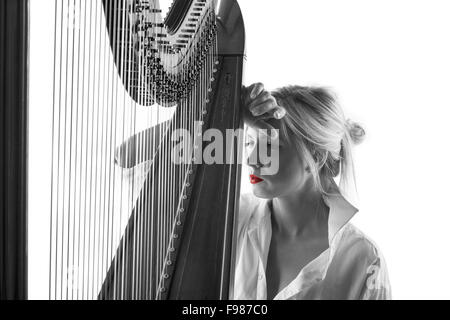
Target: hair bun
{"type": "Point", "coordinates": [356, 131]}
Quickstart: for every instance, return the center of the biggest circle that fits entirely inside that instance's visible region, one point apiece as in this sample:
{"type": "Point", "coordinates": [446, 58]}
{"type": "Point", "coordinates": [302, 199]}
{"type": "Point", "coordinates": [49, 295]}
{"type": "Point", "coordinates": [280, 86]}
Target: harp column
{"type": "Point", "coordinates": [13, 137]}
{"type": "Point", "coordinates": [205, 265]}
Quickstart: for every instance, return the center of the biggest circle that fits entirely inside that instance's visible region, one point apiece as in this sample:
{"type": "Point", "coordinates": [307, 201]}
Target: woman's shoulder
{"type": "Point", "coordinates": [358, 266]}
{"type": "Point", "coordinates": [358, 247]}
{"type": "Point", "coordinates": [368, 258]}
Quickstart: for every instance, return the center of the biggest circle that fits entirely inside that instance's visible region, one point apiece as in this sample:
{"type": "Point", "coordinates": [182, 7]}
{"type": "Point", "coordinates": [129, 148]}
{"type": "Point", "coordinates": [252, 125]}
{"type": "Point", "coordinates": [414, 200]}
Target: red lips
{"type": "Point", "coordinates": [255, 179]}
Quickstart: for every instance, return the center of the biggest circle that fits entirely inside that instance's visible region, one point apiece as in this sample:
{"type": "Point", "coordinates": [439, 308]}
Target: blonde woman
{"type": "Point", "coordinates": [294, 236]}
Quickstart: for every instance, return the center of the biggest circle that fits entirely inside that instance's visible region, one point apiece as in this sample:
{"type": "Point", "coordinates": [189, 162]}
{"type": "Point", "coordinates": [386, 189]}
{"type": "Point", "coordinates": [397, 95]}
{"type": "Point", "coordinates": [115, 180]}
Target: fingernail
{"type": "Point", "coordinates": [274, 133]}
{"type": "Point", "coordinates": [279, 114]}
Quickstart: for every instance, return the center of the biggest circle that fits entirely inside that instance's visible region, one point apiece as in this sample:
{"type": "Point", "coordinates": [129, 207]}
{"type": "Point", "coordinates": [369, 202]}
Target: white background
{"type": "Point", "coordinates": [389, 63]}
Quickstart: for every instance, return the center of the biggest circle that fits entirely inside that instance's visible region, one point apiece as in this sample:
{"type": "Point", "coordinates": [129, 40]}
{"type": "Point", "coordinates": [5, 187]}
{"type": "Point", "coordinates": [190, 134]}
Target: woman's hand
{"type": "Point", "coordinates": [259, 105]}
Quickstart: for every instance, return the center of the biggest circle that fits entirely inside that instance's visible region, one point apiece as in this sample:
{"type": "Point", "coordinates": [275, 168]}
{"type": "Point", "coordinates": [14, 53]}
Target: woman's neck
{"type": "Point", "coordinates": [300, 214]}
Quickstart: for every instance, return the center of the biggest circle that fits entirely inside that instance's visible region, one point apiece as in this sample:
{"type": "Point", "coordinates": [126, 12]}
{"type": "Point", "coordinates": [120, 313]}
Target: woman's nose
{"type": "Point", "coordinates": [253, 159]}
{"type": "Point", "coordinates": [256, 165]}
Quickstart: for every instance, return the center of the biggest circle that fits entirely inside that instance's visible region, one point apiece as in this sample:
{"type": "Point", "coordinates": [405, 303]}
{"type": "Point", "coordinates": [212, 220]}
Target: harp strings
{"type": "Point", "coordinates": [101, 224]}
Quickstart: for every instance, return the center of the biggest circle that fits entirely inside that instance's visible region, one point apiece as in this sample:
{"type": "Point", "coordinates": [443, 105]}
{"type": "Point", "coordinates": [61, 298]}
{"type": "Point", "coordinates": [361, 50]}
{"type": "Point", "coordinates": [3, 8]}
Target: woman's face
{"type": "Point", "coordinates": [291, 176]}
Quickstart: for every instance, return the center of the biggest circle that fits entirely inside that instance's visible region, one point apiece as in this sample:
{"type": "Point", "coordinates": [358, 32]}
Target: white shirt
{"type": "Point", "coordinates": [351, 268]}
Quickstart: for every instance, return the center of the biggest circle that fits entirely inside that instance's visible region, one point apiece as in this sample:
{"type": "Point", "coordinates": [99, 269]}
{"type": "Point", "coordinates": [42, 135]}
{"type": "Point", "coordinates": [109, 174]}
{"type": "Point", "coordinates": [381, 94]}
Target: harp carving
{"type": "Point", "coordinates": [176, 240]}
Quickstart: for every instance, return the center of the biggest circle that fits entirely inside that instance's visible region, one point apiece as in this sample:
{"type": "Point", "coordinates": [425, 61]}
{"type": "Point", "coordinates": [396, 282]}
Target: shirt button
{"type": "Point", "coordinates": [260, 277]}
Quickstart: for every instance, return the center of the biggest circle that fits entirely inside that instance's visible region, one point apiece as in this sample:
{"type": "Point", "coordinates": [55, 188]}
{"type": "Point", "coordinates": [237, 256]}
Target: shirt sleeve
{"type": "Point", "coordinates": [376, 286]}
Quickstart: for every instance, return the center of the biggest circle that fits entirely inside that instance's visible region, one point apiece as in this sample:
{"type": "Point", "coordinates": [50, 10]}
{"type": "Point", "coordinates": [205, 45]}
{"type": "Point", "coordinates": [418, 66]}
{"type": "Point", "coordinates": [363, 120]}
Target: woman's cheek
{"type": "Point", "coordinates": [291, 170]}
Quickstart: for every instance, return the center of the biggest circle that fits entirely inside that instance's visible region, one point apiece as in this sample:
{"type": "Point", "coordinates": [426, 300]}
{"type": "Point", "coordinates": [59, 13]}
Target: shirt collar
{"type": "Point", "coordinates": [341, 210]}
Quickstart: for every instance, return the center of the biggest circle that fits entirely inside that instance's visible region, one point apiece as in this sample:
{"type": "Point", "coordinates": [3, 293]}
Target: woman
{"type": "Point", "coordinates": [294, 236]}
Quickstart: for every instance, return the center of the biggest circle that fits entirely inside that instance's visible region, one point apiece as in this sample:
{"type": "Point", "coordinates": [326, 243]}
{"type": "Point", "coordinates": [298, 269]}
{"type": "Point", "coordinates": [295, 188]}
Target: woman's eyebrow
{"type": "Point", "coordinates": [250, 136]}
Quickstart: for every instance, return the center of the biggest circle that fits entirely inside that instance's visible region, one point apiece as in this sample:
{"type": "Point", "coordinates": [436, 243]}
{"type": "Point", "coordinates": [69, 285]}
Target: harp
{"type": "Point", "coordinates": [126, 220]}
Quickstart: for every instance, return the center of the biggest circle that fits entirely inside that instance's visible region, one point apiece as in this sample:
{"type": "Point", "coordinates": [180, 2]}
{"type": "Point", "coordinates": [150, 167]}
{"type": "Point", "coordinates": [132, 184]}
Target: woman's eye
{"type": "Point", "coordinates": [249, 143]}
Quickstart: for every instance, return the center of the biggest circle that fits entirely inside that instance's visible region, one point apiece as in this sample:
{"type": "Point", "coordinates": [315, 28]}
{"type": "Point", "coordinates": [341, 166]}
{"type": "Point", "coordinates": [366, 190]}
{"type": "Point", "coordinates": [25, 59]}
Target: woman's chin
{"type": "Point", "coordinates": [261, 190]}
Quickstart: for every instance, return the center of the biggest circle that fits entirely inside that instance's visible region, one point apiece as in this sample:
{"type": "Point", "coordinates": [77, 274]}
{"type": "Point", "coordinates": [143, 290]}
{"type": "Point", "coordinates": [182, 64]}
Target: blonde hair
{"type": "Point", "coordinates": [315, 124]}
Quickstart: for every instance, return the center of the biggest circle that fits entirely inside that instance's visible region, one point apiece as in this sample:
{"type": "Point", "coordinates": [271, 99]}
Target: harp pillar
{"type": "Point", "coordinates": [13, 148]}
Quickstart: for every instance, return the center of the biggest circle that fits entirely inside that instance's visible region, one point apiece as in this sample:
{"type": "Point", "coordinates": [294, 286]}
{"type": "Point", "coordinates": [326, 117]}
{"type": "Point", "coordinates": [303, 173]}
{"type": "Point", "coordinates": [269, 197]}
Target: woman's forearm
{"type": "Point", "coordinates": [139, 148]}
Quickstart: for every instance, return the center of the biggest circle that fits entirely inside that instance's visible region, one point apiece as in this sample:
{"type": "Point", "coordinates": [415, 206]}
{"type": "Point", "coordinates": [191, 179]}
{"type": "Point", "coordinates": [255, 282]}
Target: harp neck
{"type": "Point", "coordinates": [231, 30]}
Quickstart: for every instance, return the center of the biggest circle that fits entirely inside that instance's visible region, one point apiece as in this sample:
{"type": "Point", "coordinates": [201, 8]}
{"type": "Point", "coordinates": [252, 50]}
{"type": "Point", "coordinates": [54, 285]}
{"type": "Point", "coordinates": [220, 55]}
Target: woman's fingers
{"type": "Point", "coordinates": [253, 90]}
{"type": "Point", "coordinates": [256, 89]}
{"type": "Point", "coordinates": [263, 96]}
{"type": "Point", "coordinates": [259, 105]}
{"type": "Point", "coordinates": [268, 107]}
{"type": "Point", "coordinates": [263, 104]}
{"type": "Point", "coordinates": [276, 113]}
